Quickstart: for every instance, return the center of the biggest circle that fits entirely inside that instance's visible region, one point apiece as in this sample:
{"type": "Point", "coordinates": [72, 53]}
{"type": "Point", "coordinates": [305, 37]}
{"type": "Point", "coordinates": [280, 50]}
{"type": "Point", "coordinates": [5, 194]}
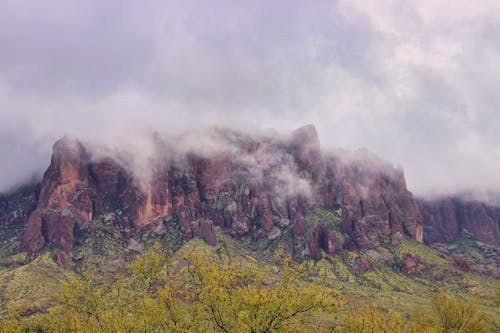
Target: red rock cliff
{"type": "Point", "coordinates": [253, 186]}
{"type": "Point", "coordinates": [446, 218]}
{"type": "Point", "coordinates": [375, 201]}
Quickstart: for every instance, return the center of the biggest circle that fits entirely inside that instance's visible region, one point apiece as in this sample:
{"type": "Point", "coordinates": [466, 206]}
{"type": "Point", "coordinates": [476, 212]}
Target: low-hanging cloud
{"type": "Point", "coordinates": [413, 81]}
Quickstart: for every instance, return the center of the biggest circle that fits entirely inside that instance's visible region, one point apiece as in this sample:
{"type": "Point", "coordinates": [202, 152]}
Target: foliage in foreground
{"type": "Point", "coordinates": [197, 291]}
{"type": "Point", "coordinates": [447, 314]}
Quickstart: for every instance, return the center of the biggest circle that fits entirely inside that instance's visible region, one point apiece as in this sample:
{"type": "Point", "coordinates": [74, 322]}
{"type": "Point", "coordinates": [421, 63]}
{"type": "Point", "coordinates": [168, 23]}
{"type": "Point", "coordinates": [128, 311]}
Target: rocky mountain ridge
{"type": "Point", "coordinates": [249, 187]}
{"type": "Point", "coordinates": [446, 218]}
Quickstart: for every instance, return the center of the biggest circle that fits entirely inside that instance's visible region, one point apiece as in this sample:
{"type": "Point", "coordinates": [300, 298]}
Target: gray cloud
{"type": "Point", "coordinates": [413, 81]}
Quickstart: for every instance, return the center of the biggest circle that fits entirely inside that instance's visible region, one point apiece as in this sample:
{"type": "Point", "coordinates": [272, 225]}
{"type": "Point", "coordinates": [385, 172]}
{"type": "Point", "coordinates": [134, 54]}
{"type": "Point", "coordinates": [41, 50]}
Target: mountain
{"type": "Point", "coordinates": [446, 218]}
{"type": "Point", "coordinates": [250, 186]}
{"type": "Point", "coordinates": [348, 215]}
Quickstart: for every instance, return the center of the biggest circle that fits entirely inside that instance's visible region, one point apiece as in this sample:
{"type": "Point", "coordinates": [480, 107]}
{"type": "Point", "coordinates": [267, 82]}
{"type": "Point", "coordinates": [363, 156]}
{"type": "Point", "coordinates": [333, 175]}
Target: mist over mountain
{"type": "Point", "coordinates": [249, 166]}
{"type": "Point", "coordinates": [409, 82]}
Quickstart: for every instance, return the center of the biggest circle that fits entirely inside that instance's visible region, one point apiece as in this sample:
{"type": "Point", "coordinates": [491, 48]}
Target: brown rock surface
{"type": "Point", "coordinates": [65, 199]}
{"type": "Point", "coordinates": [16, 207]}
{"type": "Point", "coordinates": [32, 239]}
{"type": "Point", "coordinates": [157, 202]}
{"type": "Point", "coordinates": [446, 218]}
{"type": "Point", "coordinates": [360, 265]}
{"type": "Point", "coordinates": [461, 263]}
{"type": "Point", "coordinates": [203, 228]}
{"type": "Point", "coordinates": [480, 220]}
{"type": "Point", "coordinates": [60, 258]}
{"type": "Point", "coordinates": [440, 220]}
{"type": "Point", "coordinates": [321, 238]}
{"type": "Point", "coordinates": [376, 203]}
{"type": "Point", "coordinates": [306, 151]}
{"type": "Point", "coordinates": [411, 264]}
{"type": "Point", "coordinates": [247, 186]}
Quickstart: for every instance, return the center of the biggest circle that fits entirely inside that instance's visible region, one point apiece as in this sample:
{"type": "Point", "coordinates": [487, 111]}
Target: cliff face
{"type": "Point", "coordinates": [446, 218]}
{"type": "Point", "coordinates": [251, 187]}
{"type": "Point", "coordinates": [248, 186]}
{"type": "Point", "coordinates": [376, 203]}
{"type": "Point", "coordinates": [65, 200]}
{"type": "Point", "coordinates": [17, 206]}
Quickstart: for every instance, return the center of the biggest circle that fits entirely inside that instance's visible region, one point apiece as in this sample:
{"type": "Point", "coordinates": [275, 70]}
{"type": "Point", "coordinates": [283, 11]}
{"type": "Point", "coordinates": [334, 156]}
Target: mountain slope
{"type": "Point", "coordinates": [348, 215]}
{"type": "Point", "coordinates": [247, 187]}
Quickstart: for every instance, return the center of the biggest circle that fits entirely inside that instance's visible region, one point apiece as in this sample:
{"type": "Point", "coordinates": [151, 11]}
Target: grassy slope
{"type": "Point", "coordinates": [32, 285]}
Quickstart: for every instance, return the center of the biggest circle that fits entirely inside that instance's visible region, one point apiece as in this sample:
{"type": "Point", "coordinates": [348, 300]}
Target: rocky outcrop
{"type": "Point", "coordinates": [16, 207]}
{"type": "Point", "coordinates": [446, 218]}
{"type": "Point", "coordinates": [306, 151]}
{"type": "Point", "coordinates": [375, 201]}
{"type": "Point", "coordinates": [480, 221]}
{"type": "Point", "coordinates": [64, 201]}
{"type": "Point", "coordinates": [359, 265]}
{"type": "Point", "coordinates": [322, 239]}
{"type": "Point", "coordinates": [411, 264]}
{"type": "Point", "coordinates": [60, 259]}
{"type": "Point", "coordinates": [440, 220]}
{"type": "Point", "coordinates": [461, 263]}
{"type": "Point", "coordinates": [203, 228]}
{"type": "Point", "coordinates": [253, 186]}
{"type": "Point", "coordinates": [32, 239]}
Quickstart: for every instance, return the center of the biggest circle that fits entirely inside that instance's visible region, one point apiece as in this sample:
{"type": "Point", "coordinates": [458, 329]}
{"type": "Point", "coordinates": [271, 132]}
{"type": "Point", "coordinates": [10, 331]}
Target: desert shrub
{"type": "Point", "coordinates": [194, 292]}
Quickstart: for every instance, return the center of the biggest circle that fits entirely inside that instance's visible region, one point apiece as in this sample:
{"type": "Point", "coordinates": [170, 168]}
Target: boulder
{"type": "Point", "coordinates": [360, 265]}
{"type": "Point", "coordinates": [60, 258]}
{"type": "Point", "coordinates": [411, 264]}
{"type": "Point", "coordinates": [461, 263]}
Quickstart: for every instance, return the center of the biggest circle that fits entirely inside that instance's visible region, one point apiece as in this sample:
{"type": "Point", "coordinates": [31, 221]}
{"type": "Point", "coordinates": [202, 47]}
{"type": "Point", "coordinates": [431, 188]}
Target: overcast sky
{"type": "Point", "coordinates": [417, 82]}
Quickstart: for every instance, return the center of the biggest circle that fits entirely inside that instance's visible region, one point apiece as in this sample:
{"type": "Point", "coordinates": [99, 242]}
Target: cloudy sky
{"type": "Point", "coordinates": [414, 81]}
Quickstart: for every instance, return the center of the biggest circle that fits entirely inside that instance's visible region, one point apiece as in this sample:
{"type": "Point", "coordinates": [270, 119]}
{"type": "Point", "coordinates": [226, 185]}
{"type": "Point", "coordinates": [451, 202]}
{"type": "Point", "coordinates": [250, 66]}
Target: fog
{"type": "Point", "coordinates": [414, 81]}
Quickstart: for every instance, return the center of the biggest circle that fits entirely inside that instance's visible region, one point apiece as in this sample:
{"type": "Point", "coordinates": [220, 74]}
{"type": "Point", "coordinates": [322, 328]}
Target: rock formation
{"type": "Point", "coordinates": [248, 187]}
{"type": "Point", "coordinates": [411, 264]}
{"type": "Point", "coordinates": [15, 207]}
{"type": "Point", "coordinates": [446, 218]}
{"type": "Point", "coordinates": [322, 238]}
{"type": "Point", "coordinates": [375, 201]}
{"type": "Point", "coordinates": [461, 263]}
{"type": "Point", "coordinates": [64, 202]}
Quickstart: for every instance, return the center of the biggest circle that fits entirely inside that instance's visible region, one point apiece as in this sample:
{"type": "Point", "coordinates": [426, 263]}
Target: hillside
{"type": "Point", "coordinates": [347, 216]}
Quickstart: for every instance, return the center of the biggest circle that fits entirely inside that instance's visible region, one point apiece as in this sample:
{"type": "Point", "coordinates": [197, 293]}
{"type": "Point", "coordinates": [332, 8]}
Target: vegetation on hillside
{"type": "Point", "coordinates": [245, 286]}
{"type": "Point", "coordinates": [199, 290]}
